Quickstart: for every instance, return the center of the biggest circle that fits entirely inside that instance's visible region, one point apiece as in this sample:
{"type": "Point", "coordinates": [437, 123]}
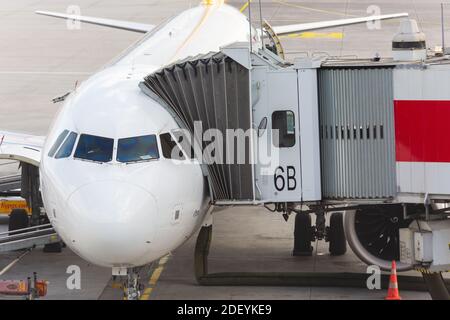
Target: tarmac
{"type": "Point", "coordinates": [41, 59]}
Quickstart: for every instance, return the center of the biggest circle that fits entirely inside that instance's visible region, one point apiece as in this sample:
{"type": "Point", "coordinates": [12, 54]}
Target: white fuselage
{"type": "Point", "coordinates": [126, 214]}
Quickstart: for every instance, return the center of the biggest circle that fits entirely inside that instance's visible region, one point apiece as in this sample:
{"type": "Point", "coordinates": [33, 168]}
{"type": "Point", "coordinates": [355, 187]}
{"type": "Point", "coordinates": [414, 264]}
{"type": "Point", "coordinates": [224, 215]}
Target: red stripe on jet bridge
{"type": "Point", "coordinates": [422, 130]}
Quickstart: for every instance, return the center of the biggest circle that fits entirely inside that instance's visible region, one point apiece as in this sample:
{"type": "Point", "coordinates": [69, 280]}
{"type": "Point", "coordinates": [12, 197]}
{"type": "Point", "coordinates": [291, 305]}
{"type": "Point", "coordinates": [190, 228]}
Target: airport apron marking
{"type": "Point", "coordinates": [245, 6]}
{"type": "Point", "coordinates": [154, 278]}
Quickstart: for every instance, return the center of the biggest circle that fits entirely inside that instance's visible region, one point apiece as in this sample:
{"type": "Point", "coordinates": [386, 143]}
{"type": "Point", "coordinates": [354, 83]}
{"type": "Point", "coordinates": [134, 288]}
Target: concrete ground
{"type": "Point", "coordinates": [256, 240]}
{"type": "Point", "coordinates": [41, 59]}
{"type": "Point", "coordinates": [244, 240]}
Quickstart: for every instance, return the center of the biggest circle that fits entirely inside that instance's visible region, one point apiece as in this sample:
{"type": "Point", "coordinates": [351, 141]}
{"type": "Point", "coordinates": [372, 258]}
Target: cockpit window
{"type": "Point", "coordinates": [66, 149]}
{"type": "Point", "coordinates": [137, 149]}
{"type": "Point", "coordinates": [170, 148]}
{"type": "Point", "coordinates": [94, 148]}
{"type": "Point", "coordinates": [185, 142]}
{"type": "Point", "coordinates": [57, 143]}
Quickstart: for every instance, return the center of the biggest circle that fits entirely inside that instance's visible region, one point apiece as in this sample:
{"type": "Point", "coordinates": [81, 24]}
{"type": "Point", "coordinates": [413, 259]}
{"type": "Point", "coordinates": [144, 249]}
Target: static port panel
{"type": "Point", "coordinates": [357, 133]}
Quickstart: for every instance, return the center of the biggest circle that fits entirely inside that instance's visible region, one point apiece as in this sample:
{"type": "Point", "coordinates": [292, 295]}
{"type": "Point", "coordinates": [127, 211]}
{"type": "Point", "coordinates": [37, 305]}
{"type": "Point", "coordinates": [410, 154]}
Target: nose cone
{"type": "Point", "coordinates": [111, 223]}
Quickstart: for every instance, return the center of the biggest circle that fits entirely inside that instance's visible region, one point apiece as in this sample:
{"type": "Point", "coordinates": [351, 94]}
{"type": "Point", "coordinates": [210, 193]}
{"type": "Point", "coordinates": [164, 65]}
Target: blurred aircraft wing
{"type": "Point", "coordinates": [294, 28]}
{"type": "Point", "coordinates": [117, 24]}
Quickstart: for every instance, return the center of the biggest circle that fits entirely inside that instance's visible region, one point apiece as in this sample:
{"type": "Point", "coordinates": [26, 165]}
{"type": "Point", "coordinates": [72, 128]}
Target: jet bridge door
{"type": "Point", "coordinates": [276, 117]}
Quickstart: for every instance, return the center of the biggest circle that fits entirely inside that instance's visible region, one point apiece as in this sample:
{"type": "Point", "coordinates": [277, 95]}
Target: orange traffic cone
{"type": "Point", "coordinates": [393, 293]}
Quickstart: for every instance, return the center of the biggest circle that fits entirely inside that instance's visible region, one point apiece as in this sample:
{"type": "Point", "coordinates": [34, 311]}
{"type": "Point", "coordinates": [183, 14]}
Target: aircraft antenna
{"type": "Point", "coordinates": [250, 24]}
{"type": "Point", "coordinates": [261, 23]}
{"type": "Point", "coordinates": [443, 27]}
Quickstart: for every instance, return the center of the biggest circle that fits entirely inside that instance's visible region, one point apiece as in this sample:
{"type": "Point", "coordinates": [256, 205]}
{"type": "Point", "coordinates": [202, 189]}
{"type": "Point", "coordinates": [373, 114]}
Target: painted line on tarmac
{"type": "Point", "coordinates": [154, 278]}
{"type": "Point", "coordinates": [245, 6]}
{"type": "Point", "coordinates": [14, 262]}
{"type": "Point", "coordinates": [315, 35]}
{"type": "Point", "coordinates": [313, 9]}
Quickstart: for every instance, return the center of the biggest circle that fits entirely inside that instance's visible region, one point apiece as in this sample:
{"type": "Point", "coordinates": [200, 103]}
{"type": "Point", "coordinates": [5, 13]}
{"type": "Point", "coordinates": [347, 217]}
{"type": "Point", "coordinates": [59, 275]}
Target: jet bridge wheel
{"type": "Point", "coordinates": [336, 235]}
{"type": "Point", "coordinates": [18, 219]}
{"type": "Point", "coordinates": [303, 235]}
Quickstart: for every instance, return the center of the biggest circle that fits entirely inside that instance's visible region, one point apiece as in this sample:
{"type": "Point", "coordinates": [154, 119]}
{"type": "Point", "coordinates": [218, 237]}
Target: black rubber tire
{"type": "Point", "coordinates": [18, 219]}
{"type": "Point", "coordinates": [336, 235]}
{"type": "Point", "coordinates": [53, 247]}
{"type": "Point", "coordinates": [303, 235]}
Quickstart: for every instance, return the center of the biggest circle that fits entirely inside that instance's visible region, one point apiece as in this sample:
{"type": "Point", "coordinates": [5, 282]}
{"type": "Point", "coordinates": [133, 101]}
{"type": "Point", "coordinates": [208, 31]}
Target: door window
{"type": "Point", "coordinates": [283, 129]}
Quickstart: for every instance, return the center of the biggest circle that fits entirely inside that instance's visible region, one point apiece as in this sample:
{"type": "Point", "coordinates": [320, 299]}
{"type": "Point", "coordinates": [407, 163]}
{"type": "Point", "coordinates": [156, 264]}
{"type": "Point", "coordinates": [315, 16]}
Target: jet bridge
{"type": "Point", "coordinates": [249, 98]}
{"type": "Point", "coordinates": [330, 130]}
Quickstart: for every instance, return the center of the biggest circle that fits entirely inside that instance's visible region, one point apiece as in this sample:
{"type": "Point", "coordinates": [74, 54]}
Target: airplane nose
{"type": "Point", "coordinates": [111, 223]}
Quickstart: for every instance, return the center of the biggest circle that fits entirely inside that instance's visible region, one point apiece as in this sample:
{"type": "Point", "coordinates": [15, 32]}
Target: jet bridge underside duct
{"type": "Point", "coordinates": [212, 90]}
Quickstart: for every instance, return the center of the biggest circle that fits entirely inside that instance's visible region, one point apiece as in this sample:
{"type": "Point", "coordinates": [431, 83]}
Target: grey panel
{"type": "Point", "coordinates": [212, 89]}
{"type": "Point", "coordinates": [10, 183]}
{"type": "Point", "coordinates": [357, 133]}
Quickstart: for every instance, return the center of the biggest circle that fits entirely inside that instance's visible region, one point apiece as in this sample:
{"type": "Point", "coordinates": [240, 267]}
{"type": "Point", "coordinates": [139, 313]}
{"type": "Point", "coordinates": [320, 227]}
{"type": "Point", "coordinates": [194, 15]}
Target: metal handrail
{"type": "Point", "coordinates": [10, 177]}
{"type": "Point", "coordinates": [8, 163]}
{"type": "Point", "coordinates": [10, 182]}
{"type": "Point", "coordinates": [21, 233]}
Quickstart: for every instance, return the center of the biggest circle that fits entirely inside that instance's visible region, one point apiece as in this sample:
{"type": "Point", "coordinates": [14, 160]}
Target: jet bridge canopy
{"type": "Point", "coordinates": [211, 90]}
{"type": "Point", "coordinates": [252, 101]}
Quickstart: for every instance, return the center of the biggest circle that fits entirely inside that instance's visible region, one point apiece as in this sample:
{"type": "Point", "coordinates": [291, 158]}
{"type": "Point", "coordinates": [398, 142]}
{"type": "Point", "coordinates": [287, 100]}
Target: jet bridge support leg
{"type": "Point", "coordinates": [436, 286]}
{"type": "Point", "coordinates": [201, 252]}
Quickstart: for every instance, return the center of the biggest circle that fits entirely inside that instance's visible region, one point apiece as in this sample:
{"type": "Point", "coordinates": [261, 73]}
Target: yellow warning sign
{"type": "Point", "coordinates": [6, 206]}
